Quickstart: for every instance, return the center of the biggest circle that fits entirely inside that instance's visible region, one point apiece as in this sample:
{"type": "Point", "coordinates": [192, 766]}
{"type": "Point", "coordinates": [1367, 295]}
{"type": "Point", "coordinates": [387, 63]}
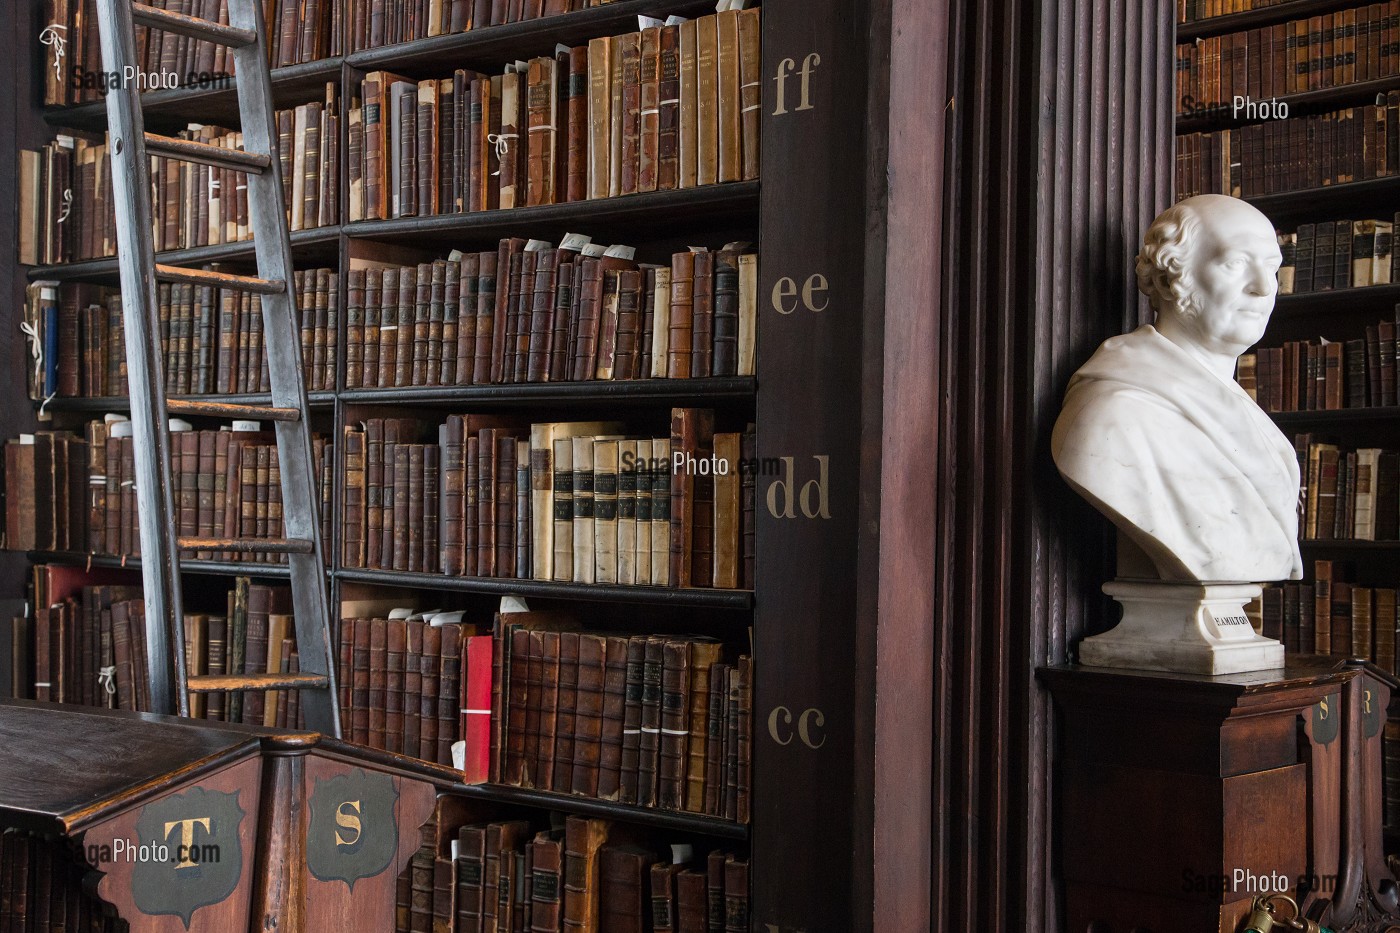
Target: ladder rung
{"type": "Point", "coordinates": [212, 683]}
{"type": "Point", "coordinates": [182, 406]}
{"type": "Point", "coordinates": [208, 279]}
{"type": "Point", "coordinates": [250, 545]}
{"type": "Point", "coordinates": [191, 26]}
{"type": "Point", "coordinates": [188, 150]}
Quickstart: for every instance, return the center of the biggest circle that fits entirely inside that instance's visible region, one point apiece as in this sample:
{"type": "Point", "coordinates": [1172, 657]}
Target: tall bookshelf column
{"type": "Point", "coordinates": [810, 299]}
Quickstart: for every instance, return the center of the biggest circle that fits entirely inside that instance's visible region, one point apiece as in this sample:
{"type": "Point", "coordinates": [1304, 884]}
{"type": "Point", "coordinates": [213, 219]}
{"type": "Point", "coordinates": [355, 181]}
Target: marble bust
{"type": "Point", "coordinates": [1156, 433]}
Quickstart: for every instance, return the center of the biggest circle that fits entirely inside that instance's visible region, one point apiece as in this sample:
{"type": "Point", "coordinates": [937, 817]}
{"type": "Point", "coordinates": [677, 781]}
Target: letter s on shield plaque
{"type": "Point", "coordinates": [199, 830]}
{"type": "Point", "coordinates": [353, 831]}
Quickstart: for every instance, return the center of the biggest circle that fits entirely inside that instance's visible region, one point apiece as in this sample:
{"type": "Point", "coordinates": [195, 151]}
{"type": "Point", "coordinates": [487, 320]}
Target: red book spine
{"type": "Point", "coordinates": [476, 710]}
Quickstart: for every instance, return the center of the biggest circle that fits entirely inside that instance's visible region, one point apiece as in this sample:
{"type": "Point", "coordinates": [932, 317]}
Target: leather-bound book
{"type": "Point", "coordinates": [546, 737]}
{"type": "Point", "coordinates": [748, 447]}
{"type": "Point", "coordinates": [663, 896]}
{"type": "Point", "coordinates": [704, 655]}
{"type": "Point", "coordinates": [502, 839]}
{"type": "Point", "coordinates": [625, 906]}
{"type": "Point", "coordinates": [510, 138]}
{"type": "Point", "coordinates": [599, 117]}
{"type": "Point", "coordinates": [702, 315]}
{"type": "Point", "coordinates": [486, 504]}
{"type": "Point", "coordinates": [732, 705]}
{"type": "Point", "coordinates": [707, 100]}
{"type": "Point", "coordinates": [714, 891]}
{"type": "Point", "coordinates": [726, 313]}
{"type": "Point", "coordinates": [454, 497]}
{"type": "Point", "coordinates": [542, 106]}
{"type": "Point", "coordinates": [582, 839]}
{"type": "Point", "coordinates": [401, 512]}
{"type": "Point", "coordinates": [688, 116]}
{"type": "Point", "coordinates": [692, 901]}
{"type": "Point", "coordinates": [562, 510]}
{"type": "Point", "coordinates": [583, 518]}
{"type": "Point", "coordinates": [396, 645]}
{"type": "Point", "coordinates": [389, 323]}
{"type": "Point", "coordinates": [516, 704]}
{"type": "Point", "coordinates": [471, 858]}
{"type": "Point", "coordinates": [627, 512]}
{"type": "Point", "coordinates": [590, 300]}
{"type": "Point", "coordinates": [373, 317]}
{"type": "Point", "coordinates": [727, 511]}
{"type": "Point", "coordinates": [630, 744]}
{"type": "Point", "coordinates": [505, 505]}
{"type": "Point", "coordinates": [681, 316]}
{"type": "Point", "coordinates": [629, 48]}
{"type": "Point", "coordinates": [628, 325]}
{"type": "Point", "coordinates": [446, 372]}
{"type": "Point", "coordinates": [649, 740]}
{"type": "Point", "coordinates": [750, 92]}
{"type": "Point", "coordinates": [581, 723]}
{"type": "Point", "coordinates": [449, 692]}
{"type": "Point", "coordinates": [715, 736]}
{"type": "Point", "coordinates": [673, 736]}
{"type": "Point", "coordinates": [729, 98]}
{"type": "Point", "coordinates": [546, 884]}
{"type": "Point", "coordinates": [509, 264]}
{"type": "Point", "coordinates": [745, 717]}
{"type": "Point", "coordinates": [649, 81]}
{"type": "Point", "coordinates": [378, 676]}
{"type": "Point", "coordinates": [736, 895]}
{"type": "Point", "coordinates": [21, 494]}
{"type": "Point", "coordinates": [413, 687]}
{"type": "Point", "coordinates": [541, 329]}
{"type": "Point", "coordinates": [430, 678]}
{"type": "Point", "coordinates": [661, 479]}
{"type": "Point", "coordinates": [443, 884]}
{"type": "Point", "coordinates": [605, 477]}
{"type": "Point", "coordinates": [467, 295]}
{"type": "Point", "coordinates": [485, 343]}
{"type": "Point", "coordinates": [404, 333]}
{"type": "Point", "coordinates": [577, 133]}
{"type": "Point", "coordinates": [566, 720]}
{"type": "Point", "coordinates": [477, 162]}
{"type": "Point", "coordinates": [559, 361]}
{"type": "Point", "coordinates": [522, 279]}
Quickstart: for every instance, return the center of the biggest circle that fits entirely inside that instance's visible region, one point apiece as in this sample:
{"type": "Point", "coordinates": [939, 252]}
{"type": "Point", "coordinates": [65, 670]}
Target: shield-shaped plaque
{"type": "Point", "coordinates": [1327, 719]}
{"type": "Point", "coordinates": [353, 831]}
{"type": "Point", "coordinates": [191, 854]}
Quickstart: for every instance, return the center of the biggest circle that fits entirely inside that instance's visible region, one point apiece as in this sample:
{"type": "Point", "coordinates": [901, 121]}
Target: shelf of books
{"type": "Point", "coordinates": [587, 471]}
{"type": "Point", "coordinates": [1327, 171]}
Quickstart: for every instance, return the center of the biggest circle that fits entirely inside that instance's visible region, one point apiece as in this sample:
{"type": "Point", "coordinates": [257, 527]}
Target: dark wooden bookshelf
{"type": "Point", "coordinates": [106, 403]}
{"type": "Point", "coordinates": [1329, 202]}
{"type": "Point", "coordinates": [490, 46]}
{"type": "Point", "coordinates": [627, 216]}
{"type": "Point", "coordinates": [1377, 414]}
{"type": "Point", "coordinates": [319, 245]}
{"type": "Point", "coordinates": [1301, 104]}
{"type": "Point", "coordinates": [171, 109]}
{"type": "Point", "coordinates": [509, 586]}
{"type": "Point", "coordinates": [1338, 300]}
{"type": "Point", "coordinates": [630, 392]}
{"type": "Point", "coordinates": [214, 568]}
{"type": "Point", "coordinates": [1253, 19]}
{"type": "Point", "coordinates": [674, 820]}
{"type": "Point", "coordinates": [1349, 544]}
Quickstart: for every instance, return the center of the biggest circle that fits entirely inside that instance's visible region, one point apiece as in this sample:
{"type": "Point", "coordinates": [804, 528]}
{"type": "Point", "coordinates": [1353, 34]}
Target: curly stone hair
{"type": "Point", "coordinates": [1161, 266]}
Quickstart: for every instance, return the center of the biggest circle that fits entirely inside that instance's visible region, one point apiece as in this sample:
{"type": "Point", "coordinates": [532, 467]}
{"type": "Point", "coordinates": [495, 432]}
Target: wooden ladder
{"type": "Point", "coordinates": [130, 146]}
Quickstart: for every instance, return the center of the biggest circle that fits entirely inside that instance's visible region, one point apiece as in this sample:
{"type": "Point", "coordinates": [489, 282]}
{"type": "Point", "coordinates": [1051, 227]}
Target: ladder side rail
{"type": "Point", "coordinates": [272, 243]}
{"type": "Point", "coordinates": [131, 186]}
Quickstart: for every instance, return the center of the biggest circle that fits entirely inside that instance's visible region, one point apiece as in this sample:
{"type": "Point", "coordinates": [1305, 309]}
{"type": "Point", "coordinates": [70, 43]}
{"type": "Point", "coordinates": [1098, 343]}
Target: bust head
{"type": "Point", "coordinates": [1209, 266]}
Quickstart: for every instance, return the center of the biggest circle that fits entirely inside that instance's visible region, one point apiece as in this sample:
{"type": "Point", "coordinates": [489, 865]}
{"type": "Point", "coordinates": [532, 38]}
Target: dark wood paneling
{"type": "Point", "coordinates": [811, 210]}
{"type": "Point", "coordinates": [1060, 146]}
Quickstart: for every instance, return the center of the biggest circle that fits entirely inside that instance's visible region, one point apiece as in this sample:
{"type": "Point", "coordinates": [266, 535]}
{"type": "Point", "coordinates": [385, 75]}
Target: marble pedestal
{"type": "Point", "coordinates": [1184, 628]}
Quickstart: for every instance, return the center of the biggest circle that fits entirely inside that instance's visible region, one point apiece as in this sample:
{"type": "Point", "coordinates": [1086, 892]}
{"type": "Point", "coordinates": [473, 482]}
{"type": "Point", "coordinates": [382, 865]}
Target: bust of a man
{"type": "Point", "coordinates": [1156, 433]}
